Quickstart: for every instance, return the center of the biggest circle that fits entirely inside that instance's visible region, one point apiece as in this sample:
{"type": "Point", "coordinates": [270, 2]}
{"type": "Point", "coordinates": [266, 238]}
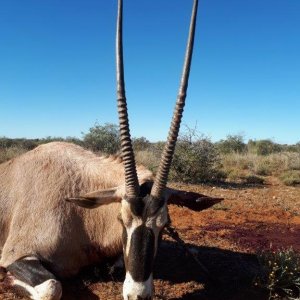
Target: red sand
{"type": "Point", "coordinates": [224, 237]}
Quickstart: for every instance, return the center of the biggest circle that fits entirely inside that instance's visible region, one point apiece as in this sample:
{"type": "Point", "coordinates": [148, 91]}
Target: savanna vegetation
{"type": "Point", "coordinates": [197, 159]}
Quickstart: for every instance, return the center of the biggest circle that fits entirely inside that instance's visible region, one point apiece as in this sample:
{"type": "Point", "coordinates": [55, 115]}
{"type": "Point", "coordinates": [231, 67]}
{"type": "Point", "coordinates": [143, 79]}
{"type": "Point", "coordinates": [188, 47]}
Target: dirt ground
{"type": "Point", "coordinates": [224, 237]}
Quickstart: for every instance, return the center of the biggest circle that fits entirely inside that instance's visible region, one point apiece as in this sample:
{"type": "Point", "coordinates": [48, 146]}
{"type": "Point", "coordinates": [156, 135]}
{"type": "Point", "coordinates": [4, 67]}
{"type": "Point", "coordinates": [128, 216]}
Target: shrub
{"type": "Point", "coordinates": [293, 148]}
{"type": "Point", "coordinates": [263, 167]}
{"type": "Point", "coordinates": [140, 144]}
{"type": "Point", "coordinates": [293, 160]}
{"type": "Point", "coordinates": [275, 164]}
{"type": "Point", "coordinates": [263, 147]}
{"type": "Point", "coordinates": [148, 158]}
{"type": "Point", "coordinates": [195, 161]}
{"type": "Point", "coordinates": [234, 175]}
{"type": "Point", "coordinates": [104, 138]}
{"type": "Point", "coordinates": [10, 152]}
{"type": "Point", "coordinates": [68, 139]}
{"type": "Point", "coordinates": [21, 143]}
{"type": "Point", "coordinates": [236, 166]}
{"type": "Point", "coordinates": [291, 177]}
{"type": "Point", "coordinates": [279, 274]}
{"type": "Point", "coordinates": [232, 144]}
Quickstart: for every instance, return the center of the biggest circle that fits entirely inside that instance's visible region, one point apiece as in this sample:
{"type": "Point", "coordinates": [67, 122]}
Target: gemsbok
{"type": "Point", "coordinates": [45, 238]}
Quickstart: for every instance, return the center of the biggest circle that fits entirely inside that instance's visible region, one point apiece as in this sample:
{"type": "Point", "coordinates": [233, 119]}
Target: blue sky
{"type": "Point", "coordinates": [57, 69]}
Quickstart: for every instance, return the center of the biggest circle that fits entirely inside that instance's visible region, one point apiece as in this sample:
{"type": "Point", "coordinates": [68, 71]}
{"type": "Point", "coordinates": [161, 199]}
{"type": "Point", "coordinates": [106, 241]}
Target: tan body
{"type": "Point", "coordinates": [35, 219]}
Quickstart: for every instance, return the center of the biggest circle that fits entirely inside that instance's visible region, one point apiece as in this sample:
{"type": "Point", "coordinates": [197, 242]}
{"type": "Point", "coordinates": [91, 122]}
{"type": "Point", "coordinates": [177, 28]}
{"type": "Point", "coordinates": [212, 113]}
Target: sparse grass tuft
{"type": "Point", "coordinates": [291, 177]}
{"type": "Point", "coordinates": [220, 206]}
{"type": "Point", "coordinates": [280, 274]}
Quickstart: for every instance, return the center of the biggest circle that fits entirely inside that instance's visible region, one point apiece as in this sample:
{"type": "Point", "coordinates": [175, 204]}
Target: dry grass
{"type": "Point", "coordinates": [285, 164]}
{"type": "Point", "coordinates": [11, 152]}
{"type": "Point", "coordinates": [148, 159]}
{"type": "Point", "coordinates": [290, 177]}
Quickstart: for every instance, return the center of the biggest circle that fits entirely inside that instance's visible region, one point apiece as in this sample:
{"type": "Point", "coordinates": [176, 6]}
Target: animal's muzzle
{"type": "Point", "coordinates": [139, 298]}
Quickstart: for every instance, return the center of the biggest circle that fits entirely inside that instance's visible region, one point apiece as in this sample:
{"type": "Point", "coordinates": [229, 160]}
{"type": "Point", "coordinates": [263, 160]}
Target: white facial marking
{"type": "Point", "coordinates": [134, 289]}
{"type": "Point", "coordinates": [30, 258]}
{"type": "Point", "coordinates": [133, 223]}
{"type": "Point", "coordinates": [48, 290]}
{"type": "Point", "coordinates": [18, 283]}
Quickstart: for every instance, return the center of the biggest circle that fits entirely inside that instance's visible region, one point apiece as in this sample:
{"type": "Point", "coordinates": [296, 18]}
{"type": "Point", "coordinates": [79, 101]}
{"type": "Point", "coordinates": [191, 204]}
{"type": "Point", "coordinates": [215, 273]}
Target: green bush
{"type": "Point", "coordinates": [293, 148]}
{"type": "Point", "coordinates": [21, 143]}
{"type": "Point", "coordinates": [264, 147]}
{"type": "Point", "coordinates": [232, 144]}
{"type": "Point", "coordinates": [140, 144]}
{"type": "Point", "coordinates": [195, 161]}
{"type": "Point", "coordinates": [103, 138]}
{"type": "Point", "coordinates": [280, 274]}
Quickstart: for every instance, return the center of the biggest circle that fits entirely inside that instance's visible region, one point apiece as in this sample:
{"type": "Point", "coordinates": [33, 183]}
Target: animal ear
{"type": "Point", "coordinates": [97, 198]}
{"type": "Point", "coordinates": [191, 200]}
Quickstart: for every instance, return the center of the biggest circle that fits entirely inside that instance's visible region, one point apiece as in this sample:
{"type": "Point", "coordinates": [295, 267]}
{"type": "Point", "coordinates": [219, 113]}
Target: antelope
{"type": "Point", "coordinates": [44, 238]}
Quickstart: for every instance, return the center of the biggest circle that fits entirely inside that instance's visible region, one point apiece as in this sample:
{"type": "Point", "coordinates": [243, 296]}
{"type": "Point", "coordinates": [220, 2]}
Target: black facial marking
{"type": "Point", "coordinates": [31, 272]}
{"type": "Point", "coordinates": [145, 189]}
{"type": "Point", "coordinates": [137, 207]}
{"type": "Point", "coordinates": [153, 206]}
{"type": "Point", "coordinates": [141, 253]}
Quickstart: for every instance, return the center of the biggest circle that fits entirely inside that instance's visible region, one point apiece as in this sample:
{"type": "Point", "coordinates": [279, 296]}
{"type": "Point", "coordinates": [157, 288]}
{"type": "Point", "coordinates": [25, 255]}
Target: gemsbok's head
{"type": "Point", "coordinates": [144, 211]}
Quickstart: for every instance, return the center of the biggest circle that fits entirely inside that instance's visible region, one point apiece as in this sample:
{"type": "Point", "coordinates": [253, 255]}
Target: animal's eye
{"type": "Point", "coordinates": [119, 217]}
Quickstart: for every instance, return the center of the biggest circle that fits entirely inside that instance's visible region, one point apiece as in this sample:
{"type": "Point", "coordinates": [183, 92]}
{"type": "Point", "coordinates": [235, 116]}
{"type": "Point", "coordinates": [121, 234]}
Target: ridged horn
{"type": "Point", "coordinates": [167, 155]}
{"type": "Point", "coordinates": [131, 179]}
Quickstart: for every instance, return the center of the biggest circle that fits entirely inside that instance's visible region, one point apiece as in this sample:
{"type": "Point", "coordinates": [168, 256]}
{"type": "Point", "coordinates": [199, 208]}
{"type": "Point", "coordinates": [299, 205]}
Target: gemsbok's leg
{"type": "Point", "coordinates": [28, 276]}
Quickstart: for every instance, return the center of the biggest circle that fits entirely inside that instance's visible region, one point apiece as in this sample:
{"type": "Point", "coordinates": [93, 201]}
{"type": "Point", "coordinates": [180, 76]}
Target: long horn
{"type": "Point", "coordinates": [167, 156]}
{"type": "Point", "coordinates": [131, 179]}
